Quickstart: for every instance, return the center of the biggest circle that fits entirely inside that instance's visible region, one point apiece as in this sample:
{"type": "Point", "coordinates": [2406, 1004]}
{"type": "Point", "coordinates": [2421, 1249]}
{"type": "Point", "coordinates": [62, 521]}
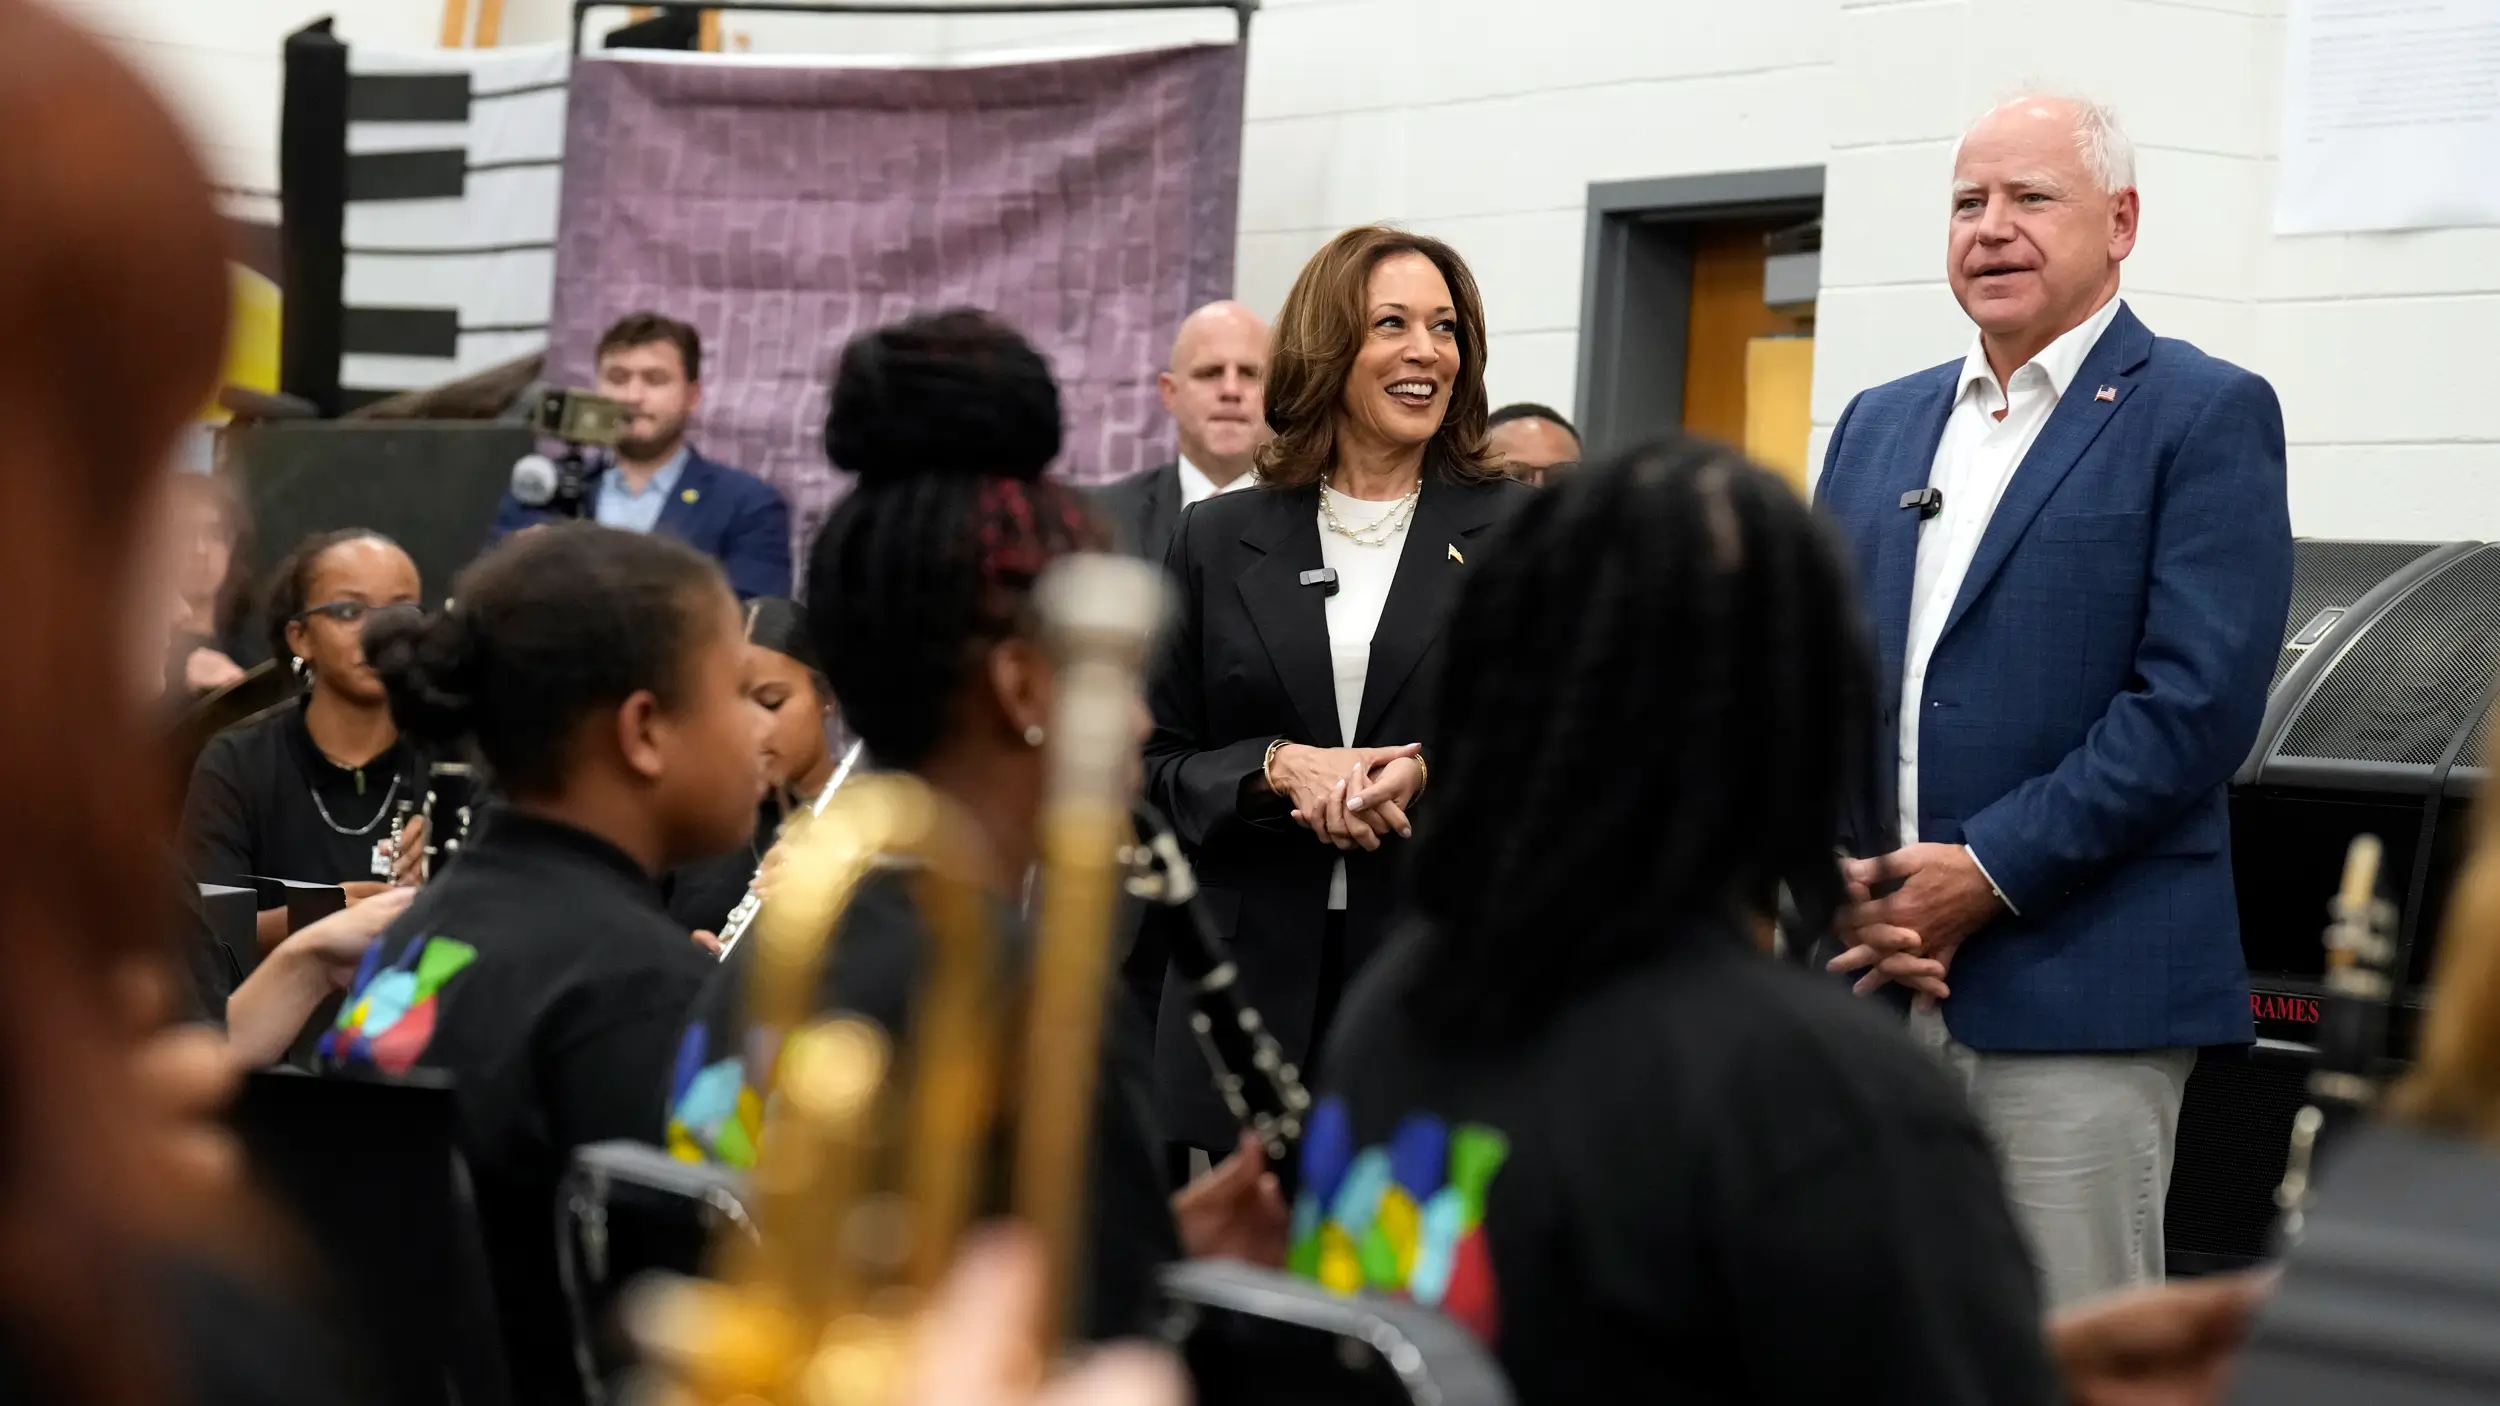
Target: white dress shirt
{"type": "Point", "coordinates": [1975, 460]}
{"type": "Point", "coordinates": [1364, 576]}
{"type": "Point", "coordinates": [1195, 485]}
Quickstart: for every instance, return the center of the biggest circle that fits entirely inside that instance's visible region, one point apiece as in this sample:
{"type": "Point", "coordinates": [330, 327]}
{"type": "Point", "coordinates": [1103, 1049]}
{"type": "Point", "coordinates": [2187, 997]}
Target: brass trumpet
{"type": "Point", "coordinates": [862, 1190]}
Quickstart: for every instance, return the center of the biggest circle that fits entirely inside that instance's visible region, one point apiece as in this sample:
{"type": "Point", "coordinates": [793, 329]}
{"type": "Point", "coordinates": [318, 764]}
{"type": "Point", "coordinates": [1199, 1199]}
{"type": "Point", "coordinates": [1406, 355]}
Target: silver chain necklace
{"type": "Point", "coordinates": [1376, 534]}
{"type": "Point", "coordinates": [366, 828]}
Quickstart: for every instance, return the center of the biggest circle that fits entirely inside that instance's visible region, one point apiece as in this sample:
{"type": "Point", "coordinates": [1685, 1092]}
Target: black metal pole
{"type": "Point", "coordinates": [1242, 9]}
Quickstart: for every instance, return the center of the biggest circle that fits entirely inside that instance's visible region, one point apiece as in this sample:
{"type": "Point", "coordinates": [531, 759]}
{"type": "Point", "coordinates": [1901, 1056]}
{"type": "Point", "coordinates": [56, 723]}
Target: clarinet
{"type": "Point", "coordinates": [1258, 1084]}
{"type": "Point", "coordinates": [452, 787]}
{"type": "Point", "coordinates": [400, 814]}
{"type": "Point", "coordinates": [742, 917]}
{"type": "Point", "coordinates": [2352, 1028]}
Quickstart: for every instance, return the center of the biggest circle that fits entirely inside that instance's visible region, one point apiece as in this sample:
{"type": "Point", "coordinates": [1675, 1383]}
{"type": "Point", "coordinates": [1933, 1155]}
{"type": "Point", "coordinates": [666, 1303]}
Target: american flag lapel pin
{"type": "Point", "coordinates": [2108, 393]}
{"type": "Point", "coordinates": [1454, 556]}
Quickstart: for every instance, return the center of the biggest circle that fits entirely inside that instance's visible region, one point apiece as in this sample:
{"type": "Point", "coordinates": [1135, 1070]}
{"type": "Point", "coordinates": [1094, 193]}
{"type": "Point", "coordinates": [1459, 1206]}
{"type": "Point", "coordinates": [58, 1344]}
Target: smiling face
{"type": "Point", "coordinates": [1399, 389]}
{"type": "Point", "coordinates": [2034, 243]}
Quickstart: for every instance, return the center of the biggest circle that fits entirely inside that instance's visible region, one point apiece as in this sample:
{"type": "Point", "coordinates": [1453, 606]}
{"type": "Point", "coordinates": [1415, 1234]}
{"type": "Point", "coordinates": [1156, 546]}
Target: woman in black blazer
{"type": "Point", "coordinates": [1291, 697]}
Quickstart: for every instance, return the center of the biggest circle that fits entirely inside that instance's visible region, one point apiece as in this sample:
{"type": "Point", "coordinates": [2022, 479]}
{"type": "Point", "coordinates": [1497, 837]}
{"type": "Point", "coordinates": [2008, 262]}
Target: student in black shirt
{"type": "Point", "coordinates": [598, 672]}
{"type": "Point", "coordinates": [799, 760]}
{"type": "Point", "coordinates": [922, 583]}
{"type": "Point", "coordinates": [309, 791]}
{"type": "Point", "coordinates": [1574, 1105]}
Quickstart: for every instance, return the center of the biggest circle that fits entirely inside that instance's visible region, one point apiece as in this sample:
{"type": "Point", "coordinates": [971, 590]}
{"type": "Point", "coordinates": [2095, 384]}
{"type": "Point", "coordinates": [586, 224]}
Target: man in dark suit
{"type": "Point", "coordinates": [1212, 392]}
{"type": "Point", "coordinates": [657, 482]}
{"type": "Point", "coordinates": [2076, 553]}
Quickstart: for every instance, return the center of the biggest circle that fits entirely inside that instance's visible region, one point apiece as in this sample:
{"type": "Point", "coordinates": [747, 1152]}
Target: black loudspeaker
{"type": "Point", "coordinates": [2390, 652]}
{"type": "Point", "coordinates": [431, 486]}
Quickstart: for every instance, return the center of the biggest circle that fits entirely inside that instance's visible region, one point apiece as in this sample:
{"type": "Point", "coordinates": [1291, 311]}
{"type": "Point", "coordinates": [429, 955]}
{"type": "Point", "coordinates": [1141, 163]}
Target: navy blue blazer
{"type": "Point", "coordinates": [2101, 673]}
{"type": "Point", "coordinates": [725, 513]}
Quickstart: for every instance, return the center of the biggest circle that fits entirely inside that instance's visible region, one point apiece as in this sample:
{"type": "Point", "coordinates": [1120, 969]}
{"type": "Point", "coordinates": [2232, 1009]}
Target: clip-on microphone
{"type": "Point", "coordinates": [1928, 501]}
{"type": "Point", "coordinates": [1325, 578]}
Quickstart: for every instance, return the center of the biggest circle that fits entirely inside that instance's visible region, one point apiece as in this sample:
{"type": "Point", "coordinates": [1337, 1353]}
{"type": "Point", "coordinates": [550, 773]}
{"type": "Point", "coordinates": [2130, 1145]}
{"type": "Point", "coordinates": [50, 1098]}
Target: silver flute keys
{"type": "Point", "coordinates": [742, 917]}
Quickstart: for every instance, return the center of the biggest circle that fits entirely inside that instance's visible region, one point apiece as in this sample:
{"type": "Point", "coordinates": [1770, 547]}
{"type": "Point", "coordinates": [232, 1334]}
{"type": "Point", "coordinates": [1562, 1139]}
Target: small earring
{"type": "Point", "coordinates": [1033, 735]}
{"type": "Point", "coordinates": [301, 668]}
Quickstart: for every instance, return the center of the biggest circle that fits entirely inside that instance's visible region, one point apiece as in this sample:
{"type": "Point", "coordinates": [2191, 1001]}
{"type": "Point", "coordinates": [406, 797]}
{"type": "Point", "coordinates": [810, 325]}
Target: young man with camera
{"type": "Point", "coordinates": [654, 480]}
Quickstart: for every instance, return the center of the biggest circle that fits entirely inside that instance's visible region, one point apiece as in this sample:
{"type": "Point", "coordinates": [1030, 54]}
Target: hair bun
{"type": "Point", "coordinates": [427, 666]}
{"type": "Point", "coordinates": [949, 393]}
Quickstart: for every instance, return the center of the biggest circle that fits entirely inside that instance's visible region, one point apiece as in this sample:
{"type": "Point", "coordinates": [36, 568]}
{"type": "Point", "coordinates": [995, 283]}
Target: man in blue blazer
{"type": "Point", "coordinates": [658, 483]}
{"type": "Point", "coordinates": [2076, 557]}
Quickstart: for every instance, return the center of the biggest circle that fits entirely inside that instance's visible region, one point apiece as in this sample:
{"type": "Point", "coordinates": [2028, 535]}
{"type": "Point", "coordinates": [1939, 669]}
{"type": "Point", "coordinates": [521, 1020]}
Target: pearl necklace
{"type": "Point", "coordinates": [1376, 534]}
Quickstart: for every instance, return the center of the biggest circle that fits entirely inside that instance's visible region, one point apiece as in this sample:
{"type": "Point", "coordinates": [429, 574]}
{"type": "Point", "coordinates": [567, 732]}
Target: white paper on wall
{"type": "Point", "coordinates": [2391, 116]}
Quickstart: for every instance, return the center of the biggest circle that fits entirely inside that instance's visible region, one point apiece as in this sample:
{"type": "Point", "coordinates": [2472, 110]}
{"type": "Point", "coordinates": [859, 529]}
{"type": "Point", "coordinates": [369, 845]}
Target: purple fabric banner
{"type": "Point", "coordinates": [1089, 202]}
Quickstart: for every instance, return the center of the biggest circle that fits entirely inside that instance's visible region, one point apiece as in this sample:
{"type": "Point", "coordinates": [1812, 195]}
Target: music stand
{"type": "Point", "coordinates": [371, 1171]}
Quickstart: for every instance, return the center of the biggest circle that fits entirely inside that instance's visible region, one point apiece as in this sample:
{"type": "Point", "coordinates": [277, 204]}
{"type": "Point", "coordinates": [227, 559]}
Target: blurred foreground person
{"type": "Point", "coordinates": [113, 293]}
{"type": "Point", "coordinates": [1574, 1106]}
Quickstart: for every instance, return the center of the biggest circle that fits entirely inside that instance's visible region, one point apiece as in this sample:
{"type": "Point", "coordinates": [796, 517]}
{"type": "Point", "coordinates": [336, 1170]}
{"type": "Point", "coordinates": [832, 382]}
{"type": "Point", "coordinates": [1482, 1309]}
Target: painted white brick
{"type": "Point", "coordinates": [1867, 336]}
{"type": "Point", "coordinates": [1884, 214]}
{"type": "Point", "coordinates": [2401, 493]}
{"type": "Point", "coordinates": [1876, 46]}
{"type": "Point", "coordinates": [2386, 370]}
{"type": "Point", "coordinates": [2200, 217]}
{"type": "Point", "coordinates": [1538, 366]}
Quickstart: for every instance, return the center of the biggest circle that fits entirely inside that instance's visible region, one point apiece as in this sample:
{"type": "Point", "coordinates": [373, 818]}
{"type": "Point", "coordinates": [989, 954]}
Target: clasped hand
{"type": "Point", "coordinates": [1908, 936]}
{"type": "Point", "coordinates": [1350, 797]}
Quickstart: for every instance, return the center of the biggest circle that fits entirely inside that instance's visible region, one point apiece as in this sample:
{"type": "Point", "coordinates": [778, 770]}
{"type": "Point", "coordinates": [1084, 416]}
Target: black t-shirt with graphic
{"type": "Point", "coordinates": [716, 1107]}
{"type": "Point", "coordinates": [1713, 1180]}
{"type": "Point", "coordinates": [264, 801]}
{"type": "Point", "coordinates": [542, 975]}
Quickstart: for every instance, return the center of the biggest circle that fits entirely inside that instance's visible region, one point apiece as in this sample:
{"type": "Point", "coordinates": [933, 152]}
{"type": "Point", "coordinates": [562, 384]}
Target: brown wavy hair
{"type": "Point", "coordinates": [2455, 1084]}
{"type": "Point", "coordinates": [113, 292]}
{"type": "Point", "coordinates": [1320, 332]}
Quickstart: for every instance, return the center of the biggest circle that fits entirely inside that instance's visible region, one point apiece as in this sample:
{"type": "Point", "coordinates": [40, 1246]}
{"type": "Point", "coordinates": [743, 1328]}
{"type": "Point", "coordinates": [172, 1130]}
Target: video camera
{"type": "Point", "coordinates": [579, 420]}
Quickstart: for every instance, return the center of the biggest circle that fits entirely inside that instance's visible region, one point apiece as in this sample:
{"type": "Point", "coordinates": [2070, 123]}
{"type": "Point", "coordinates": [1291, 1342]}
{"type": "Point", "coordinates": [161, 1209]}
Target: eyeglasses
{"type": "Point", "coordinates": [348, 612]}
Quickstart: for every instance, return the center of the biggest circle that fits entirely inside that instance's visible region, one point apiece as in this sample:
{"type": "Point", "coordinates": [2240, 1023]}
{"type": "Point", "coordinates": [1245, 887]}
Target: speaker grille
{"type": "Point", "coordinates": [2418, 674]}
{"type": "Point", "coordinates": [2235, 1130]}
{"type": "Point", "coordinates": [2335, 574]}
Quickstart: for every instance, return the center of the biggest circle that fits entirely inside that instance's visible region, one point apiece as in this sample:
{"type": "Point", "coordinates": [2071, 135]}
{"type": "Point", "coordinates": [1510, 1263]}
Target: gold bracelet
{"type": "Point", "coordinates": [1423, 776]}
{"type": "Point", "coordinates": [1267, 766]}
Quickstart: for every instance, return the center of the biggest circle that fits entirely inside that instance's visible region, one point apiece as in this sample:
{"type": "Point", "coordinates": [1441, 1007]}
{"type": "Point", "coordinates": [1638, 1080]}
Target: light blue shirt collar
{"type": "Point", "coordinates": [621, 507]}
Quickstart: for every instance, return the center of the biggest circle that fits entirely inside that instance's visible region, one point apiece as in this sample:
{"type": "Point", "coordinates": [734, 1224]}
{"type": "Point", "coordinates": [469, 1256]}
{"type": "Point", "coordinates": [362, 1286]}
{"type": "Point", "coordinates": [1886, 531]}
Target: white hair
{"type": "Point", "coordinates": [2108, 154]}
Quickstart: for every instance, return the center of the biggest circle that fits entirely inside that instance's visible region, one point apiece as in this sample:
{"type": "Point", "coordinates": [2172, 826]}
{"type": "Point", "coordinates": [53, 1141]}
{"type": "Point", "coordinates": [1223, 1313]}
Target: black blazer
{"type": "Point", "coordinates": [1141, 510]}
{"type": "Point", "coordinates": [1245, 664]}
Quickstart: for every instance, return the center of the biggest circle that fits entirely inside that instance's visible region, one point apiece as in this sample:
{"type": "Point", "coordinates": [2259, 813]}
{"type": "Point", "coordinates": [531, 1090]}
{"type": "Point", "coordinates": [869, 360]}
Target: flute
{"type": "Point", "coordinates": [742, 917]}
{"type": "Point", "coordinates": [1258, 1084]}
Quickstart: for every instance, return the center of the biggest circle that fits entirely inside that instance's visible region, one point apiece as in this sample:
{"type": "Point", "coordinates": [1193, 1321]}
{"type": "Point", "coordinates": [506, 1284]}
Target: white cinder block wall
{"type": "Point", "coordinates": [1484, 121]}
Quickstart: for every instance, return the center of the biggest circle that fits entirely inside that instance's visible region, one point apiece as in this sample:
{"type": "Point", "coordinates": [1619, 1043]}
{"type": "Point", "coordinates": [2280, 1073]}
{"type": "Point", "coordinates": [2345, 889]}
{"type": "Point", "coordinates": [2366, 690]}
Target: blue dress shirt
{"type": "Point", "coordinates": [620, 507]}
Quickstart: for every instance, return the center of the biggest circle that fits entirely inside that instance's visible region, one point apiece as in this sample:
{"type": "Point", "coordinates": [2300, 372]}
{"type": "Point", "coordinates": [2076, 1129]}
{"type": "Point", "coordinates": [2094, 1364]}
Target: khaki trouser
{"type": "Point", "coordinates": [2085, 1142]}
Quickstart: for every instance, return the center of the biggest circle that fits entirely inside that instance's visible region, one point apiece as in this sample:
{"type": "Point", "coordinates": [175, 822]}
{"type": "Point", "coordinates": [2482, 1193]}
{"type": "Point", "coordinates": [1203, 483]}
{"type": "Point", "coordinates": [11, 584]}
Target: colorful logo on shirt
{"type": "Point", "coordinates": [1404, 1219]}
{"type": "Point", "coordinates": [714, 1115]}
{"type": "Point", "coordinates": [389, 1016]}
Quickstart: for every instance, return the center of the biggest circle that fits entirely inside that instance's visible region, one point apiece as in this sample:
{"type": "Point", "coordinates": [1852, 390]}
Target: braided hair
{"type": "Point", "coordinates": [1654, 699]}
{"type": "Point", "coordinates": [948, 421]}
